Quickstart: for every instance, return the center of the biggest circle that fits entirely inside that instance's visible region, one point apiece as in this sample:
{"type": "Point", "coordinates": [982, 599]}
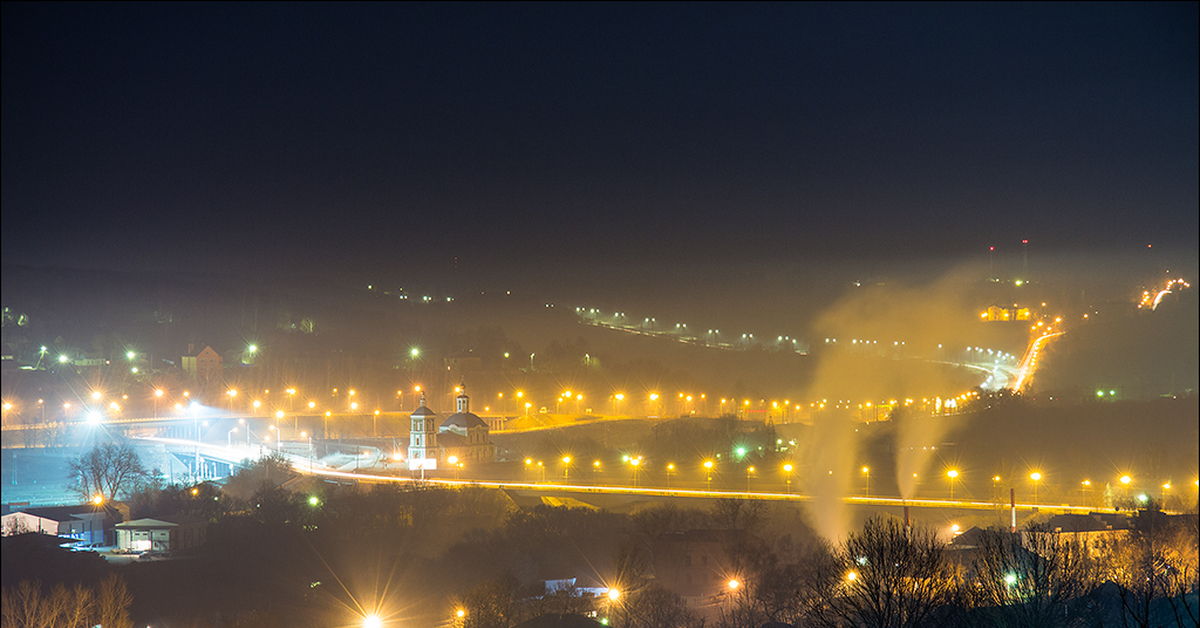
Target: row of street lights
{"type": "Point", "coordinates": [637, 464]}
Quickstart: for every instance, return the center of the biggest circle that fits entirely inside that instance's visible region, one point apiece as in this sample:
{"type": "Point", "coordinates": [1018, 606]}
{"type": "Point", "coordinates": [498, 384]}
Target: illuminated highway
{"type": "Point", "coordinates": [1030, 363]}
{"type": "Point", "coordinates": [305, 465]}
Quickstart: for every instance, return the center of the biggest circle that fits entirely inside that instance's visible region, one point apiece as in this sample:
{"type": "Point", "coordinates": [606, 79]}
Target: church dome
{"type": "Point", "coordinates": [464, 420]}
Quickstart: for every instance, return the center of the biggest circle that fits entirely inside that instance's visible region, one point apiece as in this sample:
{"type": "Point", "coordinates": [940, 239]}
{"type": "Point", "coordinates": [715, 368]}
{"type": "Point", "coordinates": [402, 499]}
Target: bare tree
{"type": "Point", "coordinates": [890, 577]}
{"type": "Point", "coordinates": [785, 584]}
{"type": "Point", "coordinates": [1155, 566]}
{"type": "Point", "coordinates": [107, 471]}
{"type": "Point", "coordinates": [80, 604]}
{"type": "Point", "coordinates": [656, 607]}
{"type": "Point", "coordinates": [22, 605]}
{"type": "Point", "coordinates": [112, 603]}
{"type": "Point", "coordinates": [738, 514]}
{"type": "Point", "coordinates": [1042, 579]}
{"type": "Point", "coordinates": [493, 603]}
{"type": "Point", "coordinates": [25, 606]}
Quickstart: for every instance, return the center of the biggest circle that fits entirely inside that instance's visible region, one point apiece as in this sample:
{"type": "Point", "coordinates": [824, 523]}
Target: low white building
{"type": "Point", "coordinates": [86, 522]}
{"type": "Point", "coordinates": [161, 534]}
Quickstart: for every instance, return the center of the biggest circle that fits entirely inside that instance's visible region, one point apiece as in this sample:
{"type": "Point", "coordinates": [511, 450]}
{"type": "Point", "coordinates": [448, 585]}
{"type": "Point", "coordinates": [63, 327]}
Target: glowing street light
{"type": "Point", "coordinates": [953, 475]}
{"type": "Point", "coordinates": [1036, 477]}
{"type": "Point", "coordinates": [787, 470]}
{"type": "Point", "coordinates": [866, 471]}
{"type": "Point", "coordinates": [708, 466]}
{"type": "Point", "coordinates": [566, 467]}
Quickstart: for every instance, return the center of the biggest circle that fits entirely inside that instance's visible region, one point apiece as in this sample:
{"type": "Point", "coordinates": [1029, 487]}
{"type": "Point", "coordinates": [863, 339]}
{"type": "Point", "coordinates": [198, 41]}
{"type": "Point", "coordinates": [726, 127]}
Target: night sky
{"type": "Point", "coordinates": [348, 138]}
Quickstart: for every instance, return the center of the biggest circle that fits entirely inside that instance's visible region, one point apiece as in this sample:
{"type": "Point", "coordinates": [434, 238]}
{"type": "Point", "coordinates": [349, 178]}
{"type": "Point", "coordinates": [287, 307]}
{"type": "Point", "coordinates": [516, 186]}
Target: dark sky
{"type": "Point", "coordinates": [316, 138]}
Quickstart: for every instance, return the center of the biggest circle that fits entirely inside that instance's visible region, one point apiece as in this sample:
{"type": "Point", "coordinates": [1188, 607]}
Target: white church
{"type": "Point", "coordinates": [463, 436]}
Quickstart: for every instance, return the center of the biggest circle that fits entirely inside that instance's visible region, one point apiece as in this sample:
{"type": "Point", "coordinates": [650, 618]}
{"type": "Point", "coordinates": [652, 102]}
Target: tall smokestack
{"type": "Point", "coordinates": [1012, 499]}
{"type": "Point", "coordinates": [907, 521]}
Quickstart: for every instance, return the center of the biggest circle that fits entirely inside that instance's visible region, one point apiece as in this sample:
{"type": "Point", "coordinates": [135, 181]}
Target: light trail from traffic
{"type": "Point", "coordinates": [702, 494]}
{"type": "Point", "coordinates": [304, 465]}
{"type": "Point", "coordinates": [1030, 363]}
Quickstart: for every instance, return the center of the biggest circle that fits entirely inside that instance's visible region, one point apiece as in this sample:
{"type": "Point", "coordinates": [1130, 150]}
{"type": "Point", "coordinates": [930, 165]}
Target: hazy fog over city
{"type": "Point", "coordinates": [570, 315]}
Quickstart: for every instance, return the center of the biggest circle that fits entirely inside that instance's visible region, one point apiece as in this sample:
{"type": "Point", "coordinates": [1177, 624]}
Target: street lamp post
{"type": "Point", "coordinates": [787, 469]}
{"type": "Point", "coordinates": [613, 596]}
{"type": "Point", "coordinates": [867, 472]}
{"type": "Point", "coordinates": [708, 466]}
{"type": "Point", "coordinates": [1036, 477]}
{"type": "Point", "coordinates": [953, 475]}
{"type": "Point", "coordinates": [229, 438]}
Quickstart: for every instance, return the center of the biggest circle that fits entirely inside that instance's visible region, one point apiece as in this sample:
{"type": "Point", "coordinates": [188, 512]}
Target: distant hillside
{"type": "Point", "coordinates": [1140, 355]}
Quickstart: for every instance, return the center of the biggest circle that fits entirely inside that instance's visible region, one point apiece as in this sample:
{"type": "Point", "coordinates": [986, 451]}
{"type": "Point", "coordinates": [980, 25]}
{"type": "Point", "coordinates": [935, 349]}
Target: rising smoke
{"type": "Point", "coordinates": [890, 343]}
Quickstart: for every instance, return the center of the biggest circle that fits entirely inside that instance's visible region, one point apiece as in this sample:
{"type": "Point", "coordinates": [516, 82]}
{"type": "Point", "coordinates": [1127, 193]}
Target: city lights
{"type": "Point", "coordinates": [960, 235]}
